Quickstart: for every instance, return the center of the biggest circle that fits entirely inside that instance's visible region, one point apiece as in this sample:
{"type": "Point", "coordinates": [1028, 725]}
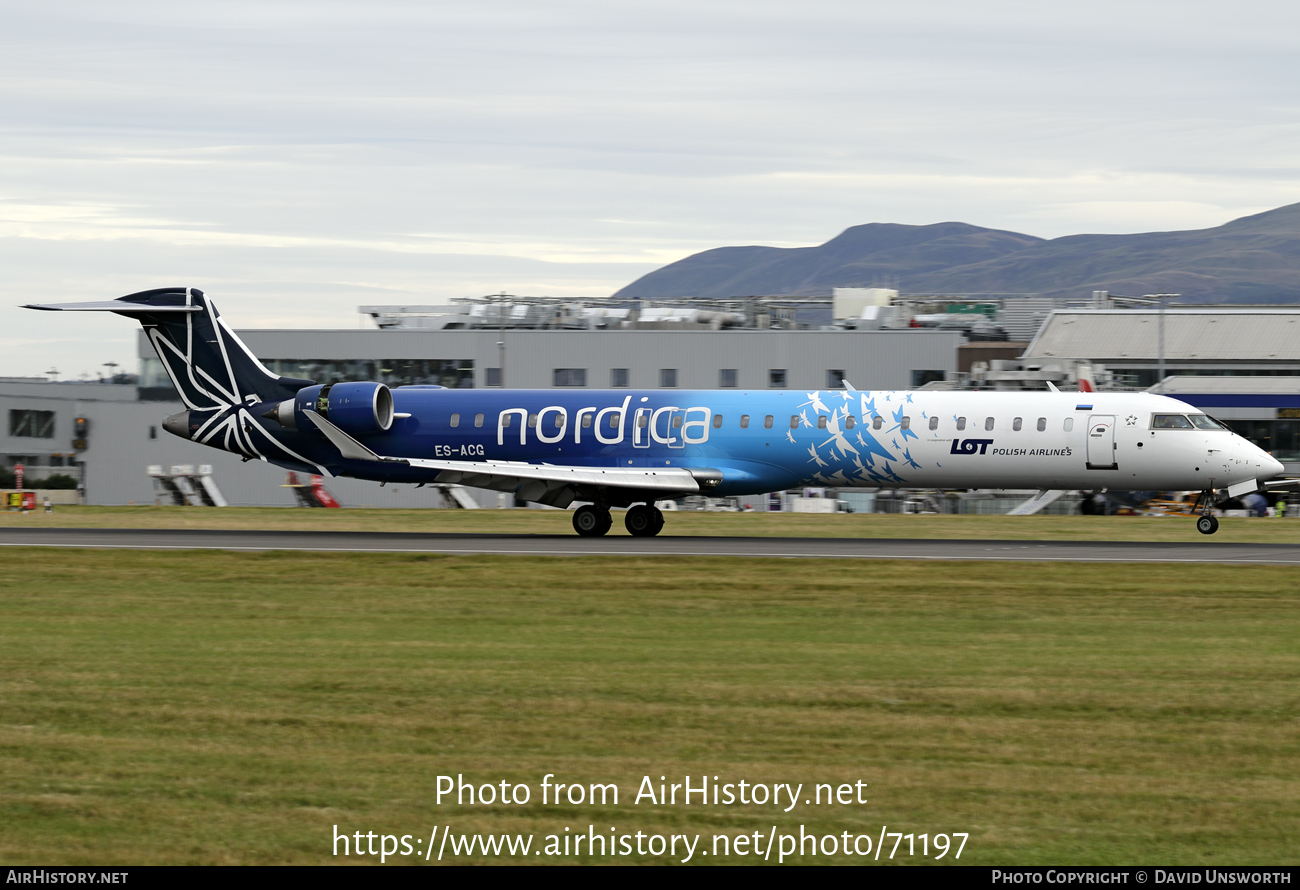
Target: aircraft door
{"type": "Point", "coordinates": [1101, 442]}
{"type": "Point", "coordinates": [641, 427]}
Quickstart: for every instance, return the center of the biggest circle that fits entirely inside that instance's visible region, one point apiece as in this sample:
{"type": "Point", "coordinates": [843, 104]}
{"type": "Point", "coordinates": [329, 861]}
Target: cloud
{"type": "Point", "coordinates": [297, 159]}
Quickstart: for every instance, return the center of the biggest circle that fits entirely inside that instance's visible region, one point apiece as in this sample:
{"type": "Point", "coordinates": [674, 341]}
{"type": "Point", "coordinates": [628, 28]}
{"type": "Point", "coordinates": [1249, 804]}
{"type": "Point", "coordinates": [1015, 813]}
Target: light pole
{"type": "Point", "coordinates": [501, 341]}
{"type": "Point", "coordinates": [1160, 373]}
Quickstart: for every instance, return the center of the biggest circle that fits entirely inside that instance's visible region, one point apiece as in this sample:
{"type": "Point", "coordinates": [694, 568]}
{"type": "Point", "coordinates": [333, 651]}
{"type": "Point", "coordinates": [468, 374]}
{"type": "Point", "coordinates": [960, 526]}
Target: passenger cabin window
{"type": "Point", "coordinates": [906, 423]}
{"type": "Point", "coordinates": [877, 422]}
{"type": "Point", "coordinates": [642, 421]}
{"type": "Point", "coordinates": [614, 420]}
{"type": "Point", "coordinates": [1068, 425]}
{"type": "Point", "coordinates": [455, 420]}
{"type": "Point", "coordinates": [717, 421]}
{"type": "Point", "coordinates": [1017, 424]}
{"type": "Point", "coordinates": [988, 423]}
{"type": "Point", "coordinates": [767, 422]}
{"type": "Point", "coordinates": [1171, 422]}
{"type": "Point", "coordinates": [1042, 424]}
{"type": "Point", "coordinates": [478, 420]}
{"type": "Point", "coordinates": [794, 421]}
{"type": "Point", "coordinates": [506, 420]}
{"type": "Point", "coordinates": [586, 420]}
{"type": "Point", "coordinates": [744, 421]}
{"type": "Point", "coordinates": [850, 421]}
{"type": "Point", "coordinates": [532, 420]}
{"type": "Point", "coordinates": [934, 422]}
{"type": "Point", "coordinates": [961, 424]}
{"type": "Point", "coordinates": [821, 421]}
{"type": "Point", "coordinates": [677, 422]}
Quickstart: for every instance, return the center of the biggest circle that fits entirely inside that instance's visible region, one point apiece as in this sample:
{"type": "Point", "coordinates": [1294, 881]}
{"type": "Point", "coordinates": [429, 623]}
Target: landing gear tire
{"type": "Point", "coordinates": [643, 521]}
{"type": "Point", "coordinates": [1207, 525]}
{"type": "Point", "coordinates": [591, 521]}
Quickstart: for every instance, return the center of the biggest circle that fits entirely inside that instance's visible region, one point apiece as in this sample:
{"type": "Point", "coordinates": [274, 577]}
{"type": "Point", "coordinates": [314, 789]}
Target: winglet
{"type": "Point", "coordinates": [1051, 386]}
{"type": "Point", "coordinates": [348, 447]}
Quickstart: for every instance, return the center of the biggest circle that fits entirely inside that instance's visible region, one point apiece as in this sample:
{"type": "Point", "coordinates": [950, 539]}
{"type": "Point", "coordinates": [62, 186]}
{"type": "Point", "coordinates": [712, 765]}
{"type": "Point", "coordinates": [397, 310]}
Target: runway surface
{"type": "Point", "coordinates": [1215, 551]}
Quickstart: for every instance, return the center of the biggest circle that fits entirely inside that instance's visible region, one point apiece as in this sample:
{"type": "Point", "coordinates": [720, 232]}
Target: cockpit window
{"type": "Point", "coordinates": [1205, 422]}
{"type": "Point", "coordinates": [1170, 422]}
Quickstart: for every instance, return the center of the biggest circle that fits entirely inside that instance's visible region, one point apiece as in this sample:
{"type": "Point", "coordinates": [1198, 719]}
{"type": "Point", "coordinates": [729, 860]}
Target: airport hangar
{"type": "Point", "coordinates": [1242, 365]}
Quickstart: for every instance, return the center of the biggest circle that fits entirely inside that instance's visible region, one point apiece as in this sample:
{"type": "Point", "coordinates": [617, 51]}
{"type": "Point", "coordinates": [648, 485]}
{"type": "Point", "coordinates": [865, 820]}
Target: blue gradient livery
{"type": "Point", "coordinates": [628, 448]}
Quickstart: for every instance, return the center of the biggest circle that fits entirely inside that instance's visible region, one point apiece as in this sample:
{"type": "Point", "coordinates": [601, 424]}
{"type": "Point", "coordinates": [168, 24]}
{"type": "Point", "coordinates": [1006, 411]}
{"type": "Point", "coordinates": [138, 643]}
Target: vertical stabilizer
{"type": "Point", "coordinates": [208, 364]}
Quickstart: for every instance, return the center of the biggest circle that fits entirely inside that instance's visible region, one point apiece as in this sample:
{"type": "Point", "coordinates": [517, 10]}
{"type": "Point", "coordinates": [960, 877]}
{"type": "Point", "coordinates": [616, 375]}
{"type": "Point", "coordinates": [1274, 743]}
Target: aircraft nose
{"type": "Point", "coordinates": [1269, 466]}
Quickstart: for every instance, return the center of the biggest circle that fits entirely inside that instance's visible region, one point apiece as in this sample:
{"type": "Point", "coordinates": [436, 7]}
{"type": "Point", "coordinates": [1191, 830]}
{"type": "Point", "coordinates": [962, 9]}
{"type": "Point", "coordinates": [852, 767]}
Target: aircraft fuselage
{"type": "Point", "coordinates": [771, 440]}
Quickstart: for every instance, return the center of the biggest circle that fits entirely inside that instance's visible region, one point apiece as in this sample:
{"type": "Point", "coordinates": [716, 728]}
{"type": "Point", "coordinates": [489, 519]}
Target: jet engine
{"type": "Point", "coordinates": [358, 409]}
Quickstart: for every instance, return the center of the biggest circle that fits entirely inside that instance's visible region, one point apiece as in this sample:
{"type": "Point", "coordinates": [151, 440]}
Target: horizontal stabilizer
{"type": "Point", "coordinates": [111, 306]}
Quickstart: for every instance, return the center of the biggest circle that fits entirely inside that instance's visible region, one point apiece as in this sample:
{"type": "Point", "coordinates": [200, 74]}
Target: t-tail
{"type": "Point", "coordinates": [223, 385]}
{"type": "Point", "coordinates": [208, 364]}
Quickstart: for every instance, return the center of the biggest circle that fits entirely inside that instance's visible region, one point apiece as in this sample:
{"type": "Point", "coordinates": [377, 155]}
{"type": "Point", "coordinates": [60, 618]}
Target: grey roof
{"type": "Point", "coordinates": [1230, 385]}
{"type": "Point", "coordinates": [1254, 335]}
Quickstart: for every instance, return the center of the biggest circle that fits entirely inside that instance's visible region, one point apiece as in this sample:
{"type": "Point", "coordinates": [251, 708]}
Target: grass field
{"type": "Point", "coordinates": [170, 707]}
{"type": "Point", "coordinates": [551, 522]}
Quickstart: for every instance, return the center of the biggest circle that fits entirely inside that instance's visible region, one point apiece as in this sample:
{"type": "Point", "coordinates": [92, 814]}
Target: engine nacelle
{"type": "Point", "coordinates": [358, 409]}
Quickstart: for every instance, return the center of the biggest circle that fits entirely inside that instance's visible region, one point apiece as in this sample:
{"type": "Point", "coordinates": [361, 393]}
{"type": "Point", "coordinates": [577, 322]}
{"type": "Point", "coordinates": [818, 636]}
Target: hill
{"type": "Point", "coordinates": [1252, 259]}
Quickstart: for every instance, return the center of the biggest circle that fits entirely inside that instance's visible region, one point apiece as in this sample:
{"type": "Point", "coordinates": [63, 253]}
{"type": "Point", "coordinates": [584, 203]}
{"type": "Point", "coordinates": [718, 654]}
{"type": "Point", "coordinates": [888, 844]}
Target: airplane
{"type": "Point", "coordinates": [628, 448]}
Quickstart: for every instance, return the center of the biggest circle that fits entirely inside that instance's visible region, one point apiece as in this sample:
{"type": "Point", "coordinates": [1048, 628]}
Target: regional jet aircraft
{"type": "Point", "coordinates": [629, 448]}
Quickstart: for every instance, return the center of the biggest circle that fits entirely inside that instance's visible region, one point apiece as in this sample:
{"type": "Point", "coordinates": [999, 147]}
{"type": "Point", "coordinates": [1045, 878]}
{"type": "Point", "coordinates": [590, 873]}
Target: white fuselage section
{"type": "Point", "coordinates": [1067, 440]}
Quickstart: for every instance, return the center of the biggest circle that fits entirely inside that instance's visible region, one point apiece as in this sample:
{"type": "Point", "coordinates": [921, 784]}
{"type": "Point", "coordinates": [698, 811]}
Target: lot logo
{"type": "Point", "coordinates": [970, 446]}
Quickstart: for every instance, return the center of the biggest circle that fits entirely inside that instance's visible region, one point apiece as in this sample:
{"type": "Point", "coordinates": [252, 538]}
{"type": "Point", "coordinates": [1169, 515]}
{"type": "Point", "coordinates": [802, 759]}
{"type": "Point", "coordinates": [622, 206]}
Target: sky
{"type": "Point", "coordinates": [297, 160]}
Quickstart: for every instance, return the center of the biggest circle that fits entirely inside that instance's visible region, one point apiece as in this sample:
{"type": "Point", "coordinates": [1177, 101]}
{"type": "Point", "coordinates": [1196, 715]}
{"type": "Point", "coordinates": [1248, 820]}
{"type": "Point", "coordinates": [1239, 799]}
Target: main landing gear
{"type": "Point", "coordinates": [643, 521]}
{"type": "Point", "coordinates": [592, 521]}
{"type": "Point", "coordinates": [1207, 523]}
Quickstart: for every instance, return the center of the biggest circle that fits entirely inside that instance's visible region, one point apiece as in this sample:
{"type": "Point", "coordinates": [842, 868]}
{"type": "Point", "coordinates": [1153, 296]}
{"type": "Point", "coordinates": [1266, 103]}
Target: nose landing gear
{"type": "Point", "coordinates": [1207, 523]}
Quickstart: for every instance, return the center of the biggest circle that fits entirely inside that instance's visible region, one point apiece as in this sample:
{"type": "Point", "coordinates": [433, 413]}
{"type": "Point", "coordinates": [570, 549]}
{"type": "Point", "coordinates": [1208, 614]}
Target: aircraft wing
{"type": "Point", "coordinates": [539, 480]}
{"type": "Point", "coordinates": [489, 474]}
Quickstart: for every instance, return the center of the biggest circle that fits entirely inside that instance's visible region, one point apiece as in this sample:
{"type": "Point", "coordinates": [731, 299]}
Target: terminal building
{"type": "Point", "coordinates": [1242, 365]}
